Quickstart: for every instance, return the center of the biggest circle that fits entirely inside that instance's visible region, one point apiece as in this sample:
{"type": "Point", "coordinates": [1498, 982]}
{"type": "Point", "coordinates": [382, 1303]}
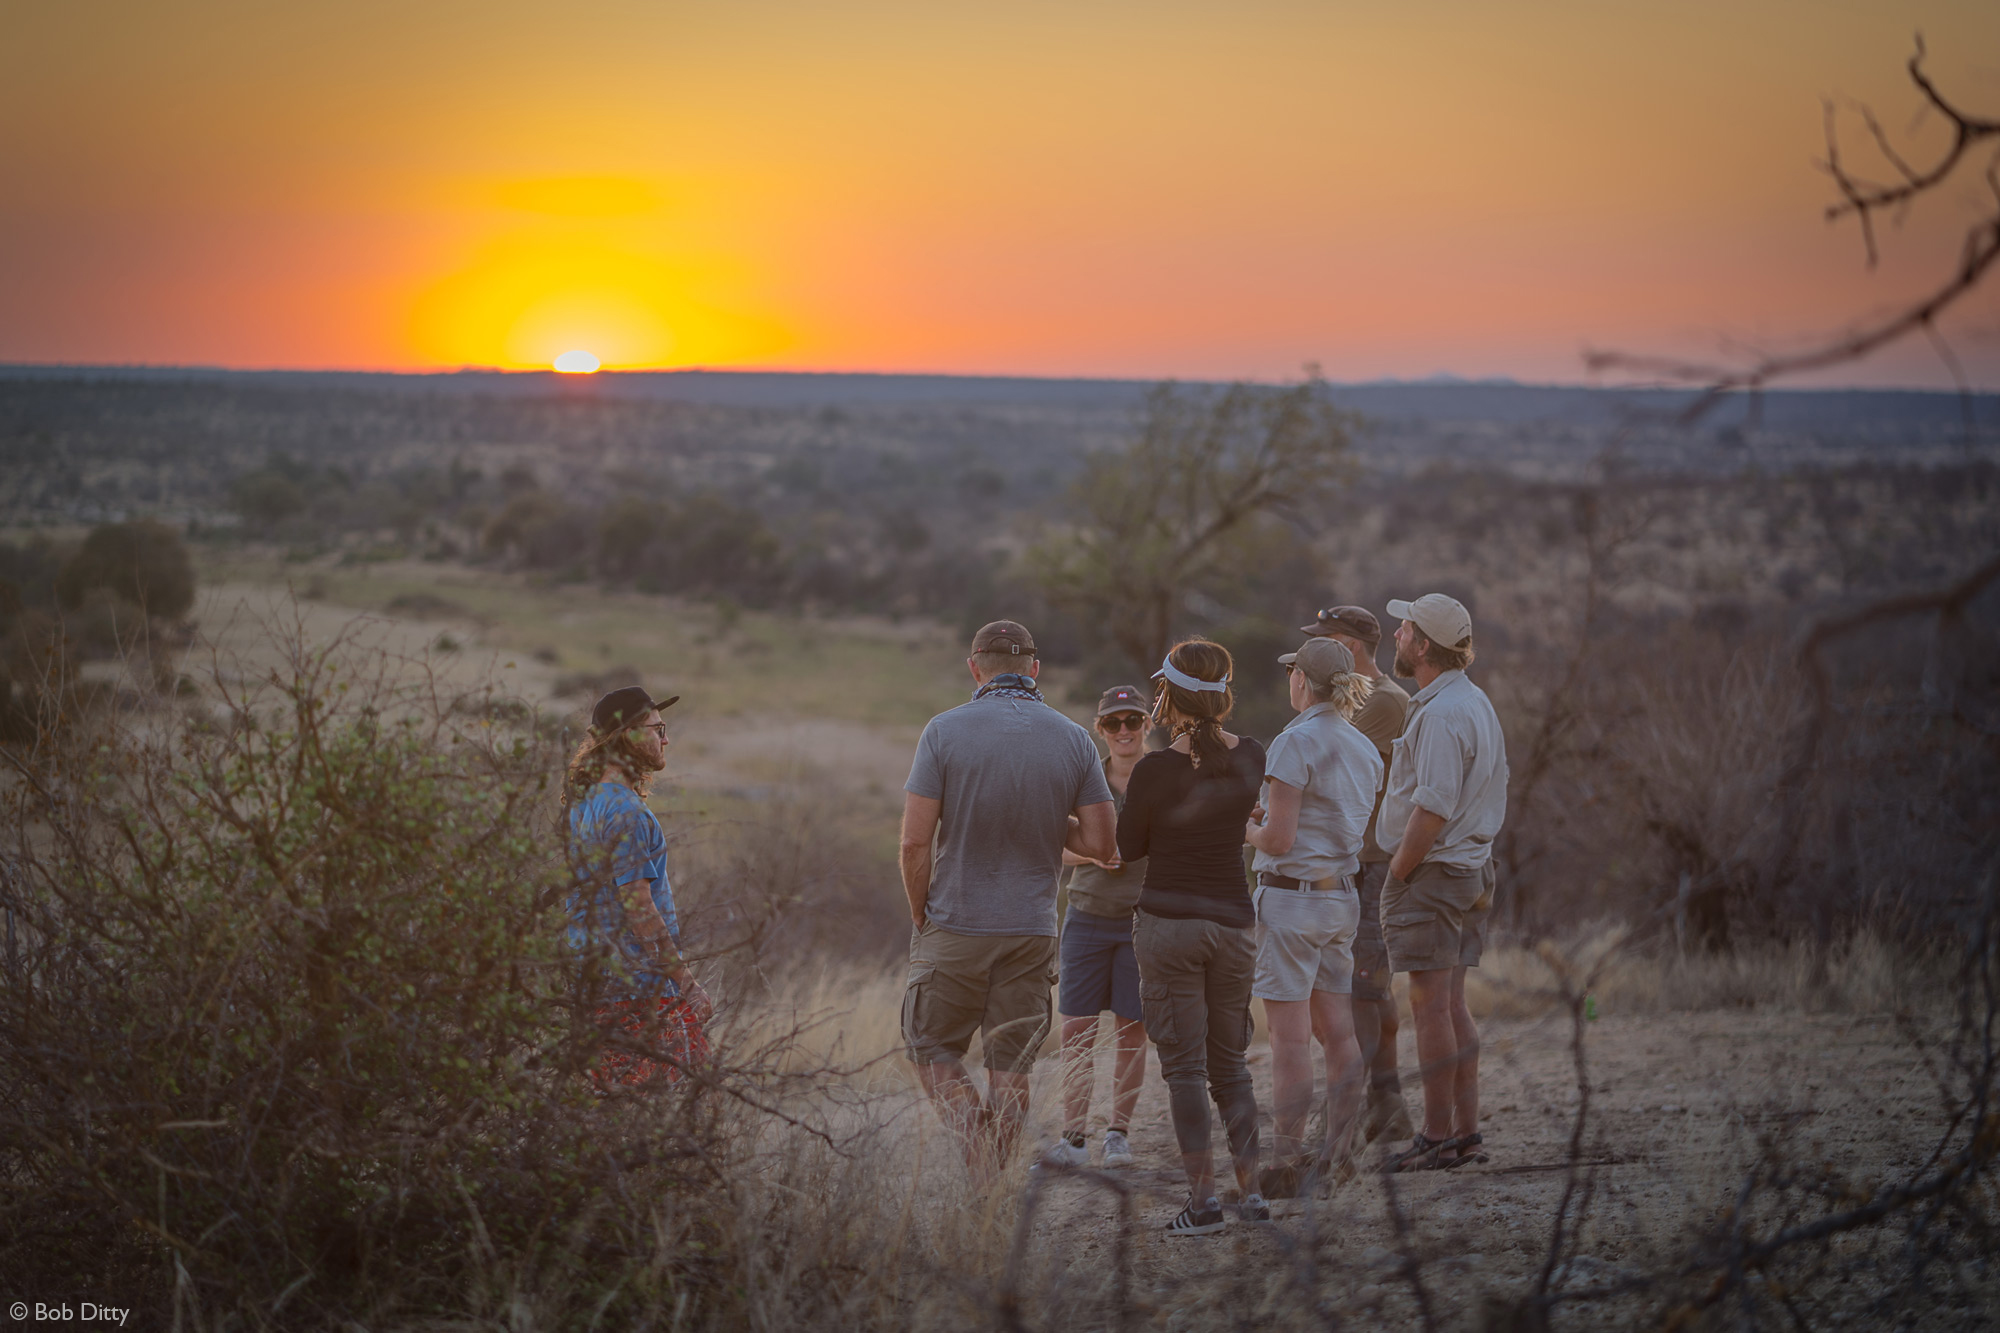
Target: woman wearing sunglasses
{"type": "Point", "coordinates": [1099, 971]}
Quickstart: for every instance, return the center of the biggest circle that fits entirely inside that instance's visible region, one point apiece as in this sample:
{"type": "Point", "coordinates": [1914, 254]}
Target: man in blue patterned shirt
{"type": "Point", "coordinates": [622, 916]}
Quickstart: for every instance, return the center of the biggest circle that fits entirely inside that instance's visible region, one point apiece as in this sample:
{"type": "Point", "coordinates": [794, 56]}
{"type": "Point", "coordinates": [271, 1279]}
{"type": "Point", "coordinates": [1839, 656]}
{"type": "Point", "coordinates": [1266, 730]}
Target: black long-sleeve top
{"type": "Point", "coordinates": [1188, 824]}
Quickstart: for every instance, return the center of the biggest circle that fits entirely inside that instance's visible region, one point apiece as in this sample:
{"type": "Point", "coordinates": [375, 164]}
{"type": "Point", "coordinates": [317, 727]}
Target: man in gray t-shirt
{"type": "Point", "coordinates": [1000, 785]}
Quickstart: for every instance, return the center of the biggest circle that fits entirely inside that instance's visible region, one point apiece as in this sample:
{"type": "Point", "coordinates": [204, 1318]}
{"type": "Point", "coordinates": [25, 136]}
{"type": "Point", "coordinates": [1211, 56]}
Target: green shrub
{"type": "Point", "coordinates": [143, 562]}
{"type": "Point", "coordinates": [287, 1036]}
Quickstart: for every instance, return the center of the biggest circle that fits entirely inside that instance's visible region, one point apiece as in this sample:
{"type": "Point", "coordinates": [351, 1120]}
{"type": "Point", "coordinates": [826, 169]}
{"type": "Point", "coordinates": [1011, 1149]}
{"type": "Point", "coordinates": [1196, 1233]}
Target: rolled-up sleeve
{"type": "Point", "coordinates": [1439, 760]}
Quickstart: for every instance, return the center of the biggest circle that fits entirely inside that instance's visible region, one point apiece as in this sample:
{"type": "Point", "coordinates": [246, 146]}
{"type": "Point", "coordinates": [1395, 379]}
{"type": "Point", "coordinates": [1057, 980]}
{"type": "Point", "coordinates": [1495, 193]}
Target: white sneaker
{"type": "Point", "coordinates": [1117, 1149]}
{"type": "Point", "coordinates": [1064, 1153]}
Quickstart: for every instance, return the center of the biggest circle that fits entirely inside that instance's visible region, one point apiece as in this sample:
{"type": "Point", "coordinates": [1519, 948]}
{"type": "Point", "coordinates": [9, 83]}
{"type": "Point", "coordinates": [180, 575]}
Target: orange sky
{"type": "Point", "coordinates": [1096, 187]}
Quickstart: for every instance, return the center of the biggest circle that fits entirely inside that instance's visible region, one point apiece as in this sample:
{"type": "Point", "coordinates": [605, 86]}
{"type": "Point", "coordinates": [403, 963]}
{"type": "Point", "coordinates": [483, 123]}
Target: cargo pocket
{"type": "Point", "coordinates": [913, 1004]}
{"type": "Point", "coordinates": [1416, 939]}
{"type": "Point", "coordinates": [1156, 1004]}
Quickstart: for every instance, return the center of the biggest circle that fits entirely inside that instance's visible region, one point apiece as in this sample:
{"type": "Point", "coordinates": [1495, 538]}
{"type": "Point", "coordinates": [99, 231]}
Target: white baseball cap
{"type": "Point", "coordinates": [1444, 620]}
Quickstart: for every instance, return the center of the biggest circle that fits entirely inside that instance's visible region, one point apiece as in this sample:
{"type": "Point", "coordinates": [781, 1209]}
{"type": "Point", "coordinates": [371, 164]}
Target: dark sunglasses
{"type": "Point", "coordinates": [1122, 722]}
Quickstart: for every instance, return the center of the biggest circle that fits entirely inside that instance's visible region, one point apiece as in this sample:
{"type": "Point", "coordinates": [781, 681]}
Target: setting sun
{"type": "Point", "coordinates": [577, 363]}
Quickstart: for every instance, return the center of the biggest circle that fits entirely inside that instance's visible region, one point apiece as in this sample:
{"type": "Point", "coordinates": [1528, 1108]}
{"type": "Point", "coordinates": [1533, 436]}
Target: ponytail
{"type": "Point", "coordinates": [1196, 713]}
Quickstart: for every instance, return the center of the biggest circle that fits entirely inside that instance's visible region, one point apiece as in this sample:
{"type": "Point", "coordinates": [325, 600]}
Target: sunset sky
{"type": "Point", "coordinates": [1094, 187]}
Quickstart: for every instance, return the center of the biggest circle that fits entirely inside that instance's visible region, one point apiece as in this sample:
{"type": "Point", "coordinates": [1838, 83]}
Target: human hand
{"type": "Point", "coordinates": [697, 1001]}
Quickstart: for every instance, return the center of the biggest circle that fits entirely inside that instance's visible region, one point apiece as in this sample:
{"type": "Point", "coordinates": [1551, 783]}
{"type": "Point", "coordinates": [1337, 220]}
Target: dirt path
{"type": "Point", "coordinates": [1679, 1103]}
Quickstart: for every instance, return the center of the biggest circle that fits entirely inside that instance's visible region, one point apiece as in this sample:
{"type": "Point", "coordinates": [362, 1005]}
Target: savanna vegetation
{"type": "Point", "coordinates": [289, 1039]}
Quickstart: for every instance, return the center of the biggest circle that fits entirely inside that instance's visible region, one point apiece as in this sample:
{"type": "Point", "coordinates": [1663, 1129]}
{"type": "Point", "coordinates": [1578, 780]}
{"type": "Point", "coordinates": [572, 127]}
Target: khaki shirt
{"type": "Point", "coordinates": [1108, 893]}
{"type": "Point", "coordinates": [1452, 761]}
{"type": "Point", "coordinates": [1381, 720]}
{"type": "Point", "coordinates": [1337, 773]}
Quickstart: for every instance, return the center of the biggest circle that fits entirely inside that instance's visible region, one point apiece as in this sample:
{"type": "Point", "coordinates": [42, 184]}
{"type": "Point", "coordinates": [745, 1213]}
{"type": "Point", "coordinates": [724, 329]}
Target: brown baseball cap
{"type": "Point", "coordinates": [1321, 659]}
{"type": "Point", "coordinates": [1358, 621]}
{"type": "Point", "coordinates": [1004, 636]}
{"type": "Point", "coordinates": [1124, 699]}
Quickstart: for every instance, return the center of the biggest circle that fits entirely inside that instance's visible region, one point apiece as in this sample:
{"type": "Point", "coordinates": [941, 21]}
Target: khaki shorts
{"type": "Point", "coordinates": [996, 985]}
{"type": "Point", "coordinates": [1438, 918]}
{"type": "Point", "coordinates": [1305, 941]}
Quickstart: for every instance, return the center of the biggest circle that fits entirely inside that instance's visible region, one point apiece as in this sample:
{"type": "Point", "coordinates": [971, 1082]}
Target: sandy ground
{"type": "Point", "coordinates": [1679, 1105]}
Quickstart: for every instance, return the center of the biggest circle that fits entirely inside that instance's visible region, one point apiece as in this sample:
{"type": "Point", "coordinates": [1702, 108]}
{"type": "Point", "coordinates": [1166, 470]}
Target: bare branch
{"type": "Point", "coordinates": [1862, 199]}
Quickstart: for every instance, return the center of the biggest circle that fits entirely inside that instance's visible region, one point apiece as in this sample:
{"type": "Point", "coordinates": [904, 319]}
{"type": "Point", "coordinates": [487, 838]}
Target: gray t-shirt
{"type": "Point", "coordinates": [1007, 771]}
{"type": "Point", "coordinates": [1337, 771]}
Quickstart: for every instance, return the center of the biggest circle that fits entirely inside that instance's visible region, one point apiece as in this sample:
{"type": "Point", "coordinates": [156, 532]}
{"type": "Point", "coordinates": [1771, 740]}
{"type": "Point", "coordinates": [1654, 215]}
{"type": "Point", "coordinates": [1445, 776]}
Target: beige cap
{"type": "Point", "coordinates": [1444, 620]}
{"type": "Point", "coordinates": [1004, 636]}
{"type": "Point", "coordinates": [1321, 660]}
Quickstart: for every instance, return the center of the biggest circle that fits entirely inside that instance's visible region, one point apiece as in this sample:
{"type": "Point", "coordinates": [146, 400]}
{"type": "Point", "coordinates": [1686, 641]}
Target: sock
{"type": "Point", "coordinates": [1074, 1138]}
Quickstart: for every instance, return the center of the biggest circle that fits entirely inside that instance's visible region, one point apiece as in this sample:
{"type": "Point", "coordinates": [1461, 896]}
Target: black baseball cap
{"type": "Point", "coordinates": [1358, 621]}
{"type": "Point", "coordinates": [625, 707]}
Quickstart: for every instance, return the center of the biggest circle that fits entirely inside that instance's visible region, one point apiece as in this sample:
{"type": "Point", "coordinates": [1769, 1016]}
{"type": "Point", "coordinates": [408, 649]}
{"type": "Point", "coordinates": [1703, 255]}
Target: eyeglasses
{"type": "Point", "coordinates": [657, 728]}
{"type": "Point", "coordinates": [1122, 722]}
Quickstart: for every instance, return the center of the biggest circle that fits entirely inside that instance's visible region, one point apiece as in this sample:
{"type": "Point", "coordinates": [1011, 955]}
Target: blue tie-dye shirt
{"type": "Point", "coordinates": [613, 840]}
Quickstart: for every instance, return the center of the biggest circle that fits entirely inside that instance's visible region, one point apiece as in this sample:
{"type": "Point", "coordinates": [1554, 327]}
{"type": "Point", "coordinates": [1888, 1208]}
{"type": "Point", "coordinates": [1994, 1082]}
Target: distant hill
{"type": "Point", "coordinates": [1437, 399]}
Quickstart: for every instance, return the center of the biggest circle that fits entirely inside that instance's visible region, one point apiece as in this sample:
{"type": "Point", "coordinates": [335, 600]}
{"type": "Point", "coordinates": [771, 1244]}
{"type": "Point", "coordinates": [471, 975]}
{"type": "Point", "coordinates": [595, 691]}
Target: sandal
{"type": "Point", "coordinates": [1466, 1146]}
{"type": "Point", "coordinates": [1421, 1155]}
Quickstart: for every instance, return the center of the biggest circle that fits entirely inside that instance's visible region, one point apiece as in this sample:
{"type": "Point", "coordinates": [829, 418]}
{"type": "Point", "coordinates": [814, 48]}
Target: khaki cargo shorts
{"type": "Point", "coordinates": [1438, 918]}
{"type": "Point", "coordinates": [1305, 941]}
{"type": "Point", "coordinates": [996, 985]}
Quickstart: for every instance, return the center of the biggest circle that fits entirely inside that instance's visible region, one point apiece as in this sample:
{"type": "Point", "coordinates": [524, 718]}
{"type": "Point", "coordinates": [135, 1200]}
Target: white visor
{"type": "Point", "coordinates": [1176, 676]}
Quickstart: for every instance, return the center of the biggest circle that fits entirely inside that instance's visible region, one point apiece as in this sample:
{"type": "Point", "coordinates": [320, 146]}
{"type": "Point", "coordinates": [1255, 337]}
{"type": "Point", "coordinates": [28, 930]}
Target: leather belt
{"type": "Point", "coordinates": [1327, 885]}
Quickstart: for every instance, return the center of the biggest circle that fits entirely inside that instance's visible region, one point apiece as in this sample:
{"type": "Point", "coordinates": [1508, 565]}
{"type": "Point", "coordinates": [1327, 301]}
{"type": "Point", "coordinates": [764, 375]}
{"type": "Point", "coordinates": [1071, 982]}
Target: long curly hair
{"type": "Point", "coordinates": [1199, 714]}
{"type": "Point", "coordinates": [598, 752]}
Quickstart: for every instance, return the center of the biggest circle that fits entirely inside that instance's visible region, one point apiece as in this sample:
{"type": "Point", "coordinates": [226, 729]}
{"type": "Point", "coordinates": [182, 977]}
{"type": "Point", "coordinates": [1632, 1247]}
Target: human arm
{"type": "Point", "coordinates": [1279, 828]}
{"type": "Point", "coordinates": [1093, 832]}
{"type": "Point", "coordinates": [643, 919]}
{"type": "Point", "coordinates": [920, 821]}
{"type": "Point", "coordinates": [1135, 821]}
{"type": "Point", "coordinates": [1418, 836]}
{"type": "Point", "coordinates": [1070, 858]}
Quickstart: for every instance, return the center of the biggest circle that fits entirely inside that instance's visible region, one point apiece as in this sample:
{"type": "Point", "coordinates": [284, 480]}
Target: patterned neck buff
{"type": "Point", "coordinates": [1010, 685]}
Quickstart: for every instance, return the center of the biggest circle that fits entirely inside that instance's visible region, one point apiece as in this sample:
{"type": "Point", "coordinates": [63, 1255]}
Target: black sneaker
{"type": "Point", "coordinates": [1203, 1221]}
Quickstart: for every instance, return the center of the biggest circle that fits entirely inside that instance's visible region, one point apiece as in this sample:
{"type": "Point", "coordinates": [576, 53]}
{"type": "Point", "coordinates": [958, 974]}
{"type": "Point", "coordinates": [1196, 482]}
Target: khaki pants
{"type": "Point", "coordinates": [1194, 988]}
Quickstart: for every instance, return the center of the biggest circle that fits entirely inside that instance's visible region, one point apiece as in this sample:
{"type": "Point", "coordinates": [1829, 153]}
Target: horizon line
{"type": "Point", "coordinates": [1442, 379]}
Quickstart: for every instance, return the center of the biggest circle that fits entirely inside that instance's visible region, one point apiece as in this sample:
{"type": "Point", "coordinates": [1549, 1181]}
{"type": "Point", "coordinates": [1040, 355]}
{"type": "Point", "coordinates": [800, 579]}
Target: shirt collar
{"type": "Point", "coordinates": [1311, 711]}
{"type": "Point", "coordinates": [1436, 687]}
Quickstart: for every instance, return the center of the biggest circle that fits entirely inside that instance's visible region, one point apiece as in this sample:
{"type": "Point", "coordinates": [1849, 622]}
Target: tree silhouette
{"type": "Point", "coordinates": [1156, 522]}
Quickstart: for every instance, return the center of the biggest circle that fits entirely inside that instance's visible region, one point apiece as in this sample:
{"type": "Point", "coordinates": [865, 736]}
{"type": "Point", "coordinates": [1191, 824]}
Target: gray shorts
{"type": "Point", "coordinates": [1437, 919]}
{"type": "Point", "coordinates": [1305, 941]}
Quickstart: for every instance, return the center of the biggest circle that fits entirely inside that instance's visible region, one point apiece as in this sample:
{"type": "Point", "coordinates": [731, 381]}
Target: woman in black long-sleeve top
{"type": "Point", "coordinates": [1194, 935]}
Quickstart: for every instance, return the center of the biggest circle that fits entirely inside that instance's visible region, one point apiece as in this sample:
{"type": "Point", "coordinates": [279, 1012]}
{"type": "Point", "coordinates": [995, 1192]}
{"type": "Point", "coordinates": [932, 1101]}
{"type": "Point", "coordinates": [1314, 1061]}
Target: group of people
{"type": "Point", "coordinates": [1371, 817]}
